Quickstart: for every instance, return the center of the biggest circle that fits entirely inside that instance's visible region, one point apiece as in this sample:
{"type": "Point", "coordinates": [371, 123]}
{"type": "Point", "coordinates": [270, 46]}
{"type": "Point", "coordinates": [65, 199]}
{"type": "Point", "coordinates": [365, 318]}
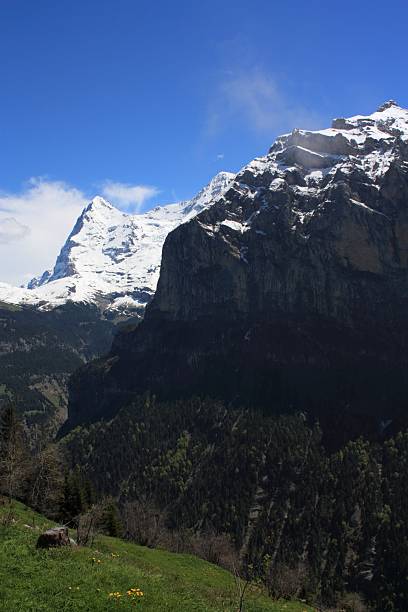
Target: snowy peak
{"type": "Point", "coordinates": [98, 203]}
{"type": "Point", "coordinates": [208, 194]}
{"type": "Point", "coordinates": [305, 171]}
{"type": "Point", "coordinates": [85, 240]}
{"type": "Point", "coordinates": [214, 189]}
{"type": "Point", "coordinates": [363, 143]}
{"type": "Point", "coordinates": [355, 136]}
{"type": "Point", "coordinates": [183, 211]}
{"type": "Point", "coordinates": [386, 105]}
{"type": "Point", "coordinates": [388, 122]}
{"type": "Point", "coordinates": [98, 214]}
{"type": "Point", "coordinates": [112, 258]}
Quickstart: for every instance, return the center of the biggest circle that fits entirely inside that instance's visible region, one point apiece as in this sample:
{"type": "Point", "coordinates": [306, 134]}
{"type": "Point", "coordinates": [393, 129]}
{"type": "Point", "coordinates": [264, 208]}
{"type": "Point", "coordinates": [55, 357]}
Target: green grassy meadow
{"type": "Point", "coordinates": [81, 579]}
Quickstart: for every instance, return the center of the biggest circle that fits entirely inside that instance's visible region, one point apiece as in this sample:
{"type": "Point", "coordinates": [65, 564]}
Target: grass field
{"type": "Point", "coordinates": [81, 579]}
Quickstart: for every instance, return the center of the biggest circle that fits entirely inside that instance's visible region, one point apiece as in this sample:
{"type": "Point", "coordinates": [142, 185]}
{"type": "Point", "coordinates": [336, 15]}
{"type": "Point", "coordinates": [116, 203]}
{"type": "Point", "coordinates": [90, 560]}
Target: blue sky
{"type": "Point", "coordinates": [164, 94]}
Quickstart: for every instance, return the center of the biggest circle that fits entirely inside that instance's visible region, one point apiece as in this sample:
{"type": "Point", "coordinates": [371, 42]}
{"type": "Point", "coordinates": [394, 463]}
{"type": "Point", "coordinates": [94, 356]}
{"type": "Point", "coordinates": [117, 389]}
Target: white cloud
{"type": "Point", "coordinates": [11, 230]}
{"type": "Point", "coordinates": [257, 101]}
{"type": "Point", "coordinates": [34, 225]}
{"type": "Point", "coordinates": [130, 197]}
{"type": "Point", "coordinates": [220, 156]}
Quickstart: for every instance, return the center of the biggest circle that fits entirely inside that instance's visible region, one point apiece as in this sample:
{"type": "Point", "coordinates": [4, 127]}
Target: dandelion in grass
{"type": "Point", "coordinates": [135, 594]}
{"type": "Point", "coordinates": [115, 596]}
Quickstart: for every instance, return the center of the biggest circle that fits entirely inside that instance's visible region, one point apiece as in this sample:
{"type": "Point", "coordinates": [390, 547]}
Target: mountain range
{"type": "Point", "coordinates": [112, 259]}
{"type": "Point", "coordinates": [289, 292]}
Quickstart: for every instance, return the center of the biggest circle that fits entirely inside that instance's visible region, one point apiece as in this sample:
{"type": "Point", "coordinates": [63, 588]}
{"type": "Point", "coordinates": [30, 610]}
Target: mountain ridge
{"type": "Point", "coordinates": [112, 258]}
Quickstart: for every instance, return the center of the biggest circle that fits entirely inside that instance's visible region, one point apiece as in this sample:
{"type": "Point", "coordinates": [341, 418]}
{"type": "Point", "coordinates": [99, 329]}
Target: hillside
{"type": "Point", "coordinates": [38, 352]}
{"type": "Point", "coordinates": [268, 483]}
{"type": "Point", "coordinates": [69, 579]}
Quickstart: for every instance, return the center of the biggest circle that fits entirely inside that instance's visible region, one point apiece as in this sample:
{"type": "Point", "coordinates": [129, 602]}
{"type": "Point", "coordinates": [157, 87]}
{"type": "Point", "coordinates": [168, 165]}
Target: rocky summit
{"type": "Point", "coordinates": [289, 292]}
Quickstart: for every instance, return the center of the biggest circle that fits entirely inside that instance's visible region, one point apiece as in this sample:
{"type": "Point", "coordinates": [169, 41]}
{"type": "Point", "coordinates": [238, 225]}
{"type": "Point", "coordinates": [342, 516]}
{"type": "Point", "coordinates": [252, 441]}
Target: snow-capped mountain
{"type": "Point", "coordinates": [367, 144]}
{"type": "Point", "coordinates": [319, 206]}
{"type": "Point", "coordinates": [291, 290]}
{"type": "Point", "coordinates": [112, 258]}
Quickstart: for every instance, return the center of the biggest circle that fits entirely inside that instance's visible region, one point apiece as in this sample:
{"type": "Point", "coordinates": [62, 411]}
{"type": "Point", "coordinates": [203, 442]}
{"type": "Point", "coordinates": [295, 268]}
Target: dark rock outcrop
{"type": "Point", "coordinates": [52, 538]}
{"type": "Point", "coordinates": [290, 292]}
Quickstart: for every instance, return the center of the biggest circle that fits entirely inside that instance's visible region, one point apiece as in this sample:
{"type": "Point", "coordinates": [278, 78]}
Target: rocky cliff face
{"type": "Point", "coordinates": [290, 291]}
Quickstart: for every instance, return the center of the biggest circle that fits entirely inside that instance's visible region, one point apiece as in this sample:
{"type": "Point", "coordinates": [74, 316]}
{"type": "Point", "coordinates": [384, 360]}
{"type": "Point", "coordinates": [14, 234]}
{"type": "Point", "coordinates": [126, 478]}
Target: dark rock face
{"type": "Point", "coordinates": [57, 536]}
{"type": "Point", "coordinates": [290, 292]}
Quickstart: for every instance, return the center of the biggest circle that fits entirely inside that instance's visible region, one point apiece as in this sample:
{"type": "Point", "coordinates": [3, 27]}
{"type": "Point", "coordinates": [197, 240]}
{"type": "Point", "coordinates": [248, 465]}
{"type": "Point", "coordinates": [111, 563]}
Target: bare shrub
{"type": "Point", "coordinates": [46, 480]}
{"type": "Point", "coordinates": [178, 540]}
{"type": "Point", "coordinates": [349, 602]}
{"type": "Point", "coordinates": [145, 523]}
{"type": "Point", "coordinates": [215, 548]}
{"type": "Point", "coordinates": [14, 459]}
{"type": "Point", "coordinates": [286, 581]}
{"type": "Point", "coordinates": [352, 602]}
{"type": "Point", "coordinates": [87, 525]}
{"type": "Point", "coordinates": [241, 586]}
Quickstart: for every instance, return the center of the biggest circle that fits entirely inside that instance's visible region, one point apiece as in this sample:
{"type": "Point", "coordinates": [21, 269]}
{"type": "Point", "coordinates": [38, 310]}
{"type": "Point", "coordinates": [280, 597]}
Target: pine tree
{"type": "Point", "coordinates": [110, 521]}
{"type": "Point", "coordinates": [78, 496]}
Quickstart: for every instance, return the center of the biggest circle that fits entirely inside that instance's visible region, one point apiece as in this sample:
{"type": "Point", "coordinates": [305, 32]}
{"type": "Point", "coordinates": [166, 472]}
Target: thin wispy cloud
{"type": "Point", "coordinates": [12, 230]}
{"type": "Point", "coordinates": [256, 101]}
{"type": "Point", "coordinates": [129, 197]}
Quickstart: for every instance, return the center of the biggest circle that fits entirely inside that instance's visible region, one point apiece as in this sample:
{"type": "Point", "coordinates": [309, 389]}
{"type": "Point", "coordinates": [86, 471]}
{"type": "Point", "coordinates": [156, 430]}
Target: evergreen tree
{"type": "Point", "coordinates": [77, 496]}
{"type": "Point", "coordinates": [110, 521]}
